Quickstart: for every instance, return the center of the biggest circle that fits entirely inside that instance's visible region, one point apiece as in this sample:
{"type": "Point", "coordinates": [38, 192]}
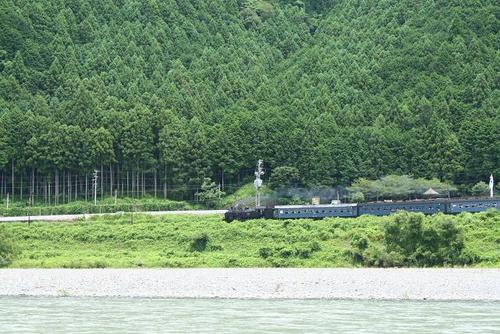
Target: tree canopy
{"type": "Point", "coordinates": [163, 94]}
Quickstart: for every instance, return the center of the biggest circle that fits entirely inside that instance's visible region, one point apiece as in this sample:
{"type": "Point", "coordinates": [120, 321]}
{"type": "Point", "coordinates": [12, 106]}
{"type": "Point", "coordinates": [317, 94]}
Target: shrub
{"type": "Point", "coordinates": [285, 251]}
{"type": "Point", "coordinates": [403, 233]}
{"type": "Point", "coordinates": [8, 250]}
{"type": "Point", "coordinates": [265, 252]}
{"type": "Point", "coordinates": [358, 197]}
{"type": "Point", "coordinates": [414, 241]}
{"type": "Point", "coordinates": [210, 193]}
{"type": "Point", "coordinates": [376, 256]}
{"type": "Point", "coordinates": [315, 246]}
{"type": "Point", "coordinates": [199, 242]}
{"type": "Point", "coordinates": [359, 244]}
{"type": "Point", "coordinates": [480, 188]}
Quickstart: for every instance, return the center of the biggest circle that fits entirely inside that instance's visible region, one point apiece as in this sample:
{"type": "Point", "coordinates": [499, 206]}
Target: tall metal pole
{"type": "Point", "coordinates": [258, 182]}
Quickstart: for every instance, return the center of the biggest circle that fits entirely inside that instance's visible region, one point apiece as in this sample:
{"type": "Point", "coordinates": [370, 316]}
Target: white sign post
{"type": "Point", "coordinates": [492, 183]}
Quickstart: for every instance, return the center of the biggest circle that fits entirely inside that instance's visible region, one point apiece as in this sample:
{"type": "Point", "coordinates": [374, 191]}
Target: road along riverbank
{"type": "Point", "coordinates": [389, 284]}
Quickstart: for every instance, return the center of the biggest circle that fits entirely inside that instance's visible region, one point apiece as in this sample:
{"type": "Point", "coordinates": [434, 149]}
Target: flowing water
{"type": "Point", "coordinates": [143, 315]}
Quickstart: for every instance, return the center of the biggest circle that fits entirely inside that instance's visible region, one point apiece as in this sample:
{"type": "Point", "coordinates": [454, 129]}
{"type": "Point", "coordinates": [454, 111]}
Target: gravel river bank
{"type": "Point", "coordinates": [390, 284]}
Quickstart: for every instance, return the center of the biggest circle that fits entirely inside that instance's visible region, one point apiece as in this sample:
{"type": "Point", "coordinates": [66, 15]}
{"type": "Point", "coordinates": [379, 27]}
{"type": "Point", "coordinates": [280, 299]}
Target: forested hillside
{"type": "Point", "coordinates": [157, 95]}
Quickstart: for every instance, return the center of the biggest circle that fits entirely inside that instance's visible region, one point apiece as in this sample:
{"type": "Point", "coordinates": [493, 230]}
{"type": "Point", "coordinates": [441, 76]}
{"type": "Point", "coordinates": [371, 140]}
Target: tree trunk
{"type": "Point", "coordinates": [45, 190]}
{"type": "Point", "coordinates": [56, 190]}
{"type": "Point", "coordinates": [70, 186]}
{"type": "Point", "coordinates": [118, 178]}
{"type": "Point", "coordinates": [21, 188]}
{"type": "Point", "coordinates": [12, 185]}
{"type": "Point", "coordinates": [110, 180]}
{"type": "Point", "coordinates": [155, 181]}
{"type": "Point", "coordinates": [102, 179]}
{"type": "Point", "coordinates": [165, 182]}
{"type": "Point", "coordinates": [63, 181]}
{"type": "Point", "coordinates": [48, 190]}
{"type": "Point", "coordinates": [86, 187]}
{"type": "Point", "coordinates": [37, 186]}
{"type": "Point", "coordinates": [137, 181]}
{"type": "Point", "coordinates": [32, 191]}
{"type": "Point", "coordinates": [132, 186]}
{"type": "Point", "coordinates": [143, 185]}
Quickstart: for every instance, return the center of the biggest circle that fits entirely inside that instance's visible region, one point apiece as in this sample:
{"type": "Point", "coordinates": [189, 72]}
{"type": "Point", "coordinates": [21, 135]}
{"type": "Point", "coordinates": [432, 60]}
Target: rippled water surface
{"type": "Point", "coordinates": [142, 315]}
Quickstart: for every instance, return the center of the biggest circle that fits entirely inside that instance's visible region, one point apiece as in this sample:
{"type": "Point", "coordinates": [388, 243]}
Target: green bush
{"type": "Point", "coordinates": [358, 197]}
{"type": "Point", "coordinates": [210, 193]}
{"type": "Point", "coordinates": [8, 250]}
{"type": "Point", "coordinates": [480, 188]}
{"type": "Point", "coordinates": [412, 239]}
{"type": "Point", "coordinates": [286, 251]}
{"type": "Point", "coordinates": [359, 243]}
{"type": "Point", "coordinates": [199, 242]}
{"type": "Point", "coordinates": [377, 256]}
{"type": "Point", "coordinates": [265, 252]}
{"type": "Point", "coordinates": [418, 241]}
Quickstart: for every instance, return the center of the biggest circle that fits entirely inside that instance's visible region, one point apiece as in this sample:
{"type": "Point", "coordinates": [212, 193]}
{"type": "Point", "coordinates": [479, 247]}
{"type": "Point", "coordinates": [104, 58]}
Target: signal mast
{"type": "Point", "coordinates": [258, 182]}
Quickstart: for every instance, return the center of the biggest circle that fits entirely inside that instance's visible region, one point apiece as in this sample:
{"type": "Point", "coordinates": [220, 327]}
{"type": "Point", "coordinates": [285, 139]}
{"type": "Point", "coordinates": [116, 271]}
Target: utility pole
{"type": "Point", "coordinates": [258, 182]}
{"type": "Point", "coordinates": [94, 185]}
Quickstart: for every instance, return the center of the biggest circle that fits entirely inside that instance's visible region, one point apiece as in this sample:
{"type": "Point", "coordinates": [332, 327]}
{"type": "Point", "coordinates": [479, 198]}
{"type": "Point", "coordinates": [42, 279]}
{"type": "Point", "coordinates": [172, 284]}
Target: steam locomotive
{"type": "Point", "coordinates": [449, 206]}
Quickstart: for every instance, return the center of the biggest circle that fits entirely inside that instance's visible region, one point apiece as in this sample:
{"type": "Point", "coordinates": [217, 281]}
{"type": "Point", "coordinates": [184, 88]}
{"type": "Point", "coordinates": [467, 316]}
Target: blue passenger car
{"type": "Point", "coordinates": [315, 211]}
{"type": "Point", "coordinates": [457, 206]}
{"type": "Point", "coordinates": [383, 209]}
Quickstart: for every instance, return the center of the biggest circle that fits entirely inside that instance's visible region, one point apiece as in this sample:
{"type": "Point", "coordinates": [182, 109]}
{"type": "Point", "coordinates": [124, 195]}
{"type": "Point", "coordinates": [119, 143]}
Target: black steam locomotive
{"type": "Point", "coordinates": [451, 206]}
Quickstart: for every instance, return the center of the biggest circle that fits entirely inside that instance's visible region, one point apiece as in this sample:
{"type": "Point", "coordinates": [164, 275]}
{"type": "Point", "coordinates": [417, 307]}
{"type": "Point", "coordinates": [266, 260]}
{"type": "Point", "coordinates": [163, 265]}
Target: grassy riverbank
{"type": "Point", "coordinates": [144, 241]}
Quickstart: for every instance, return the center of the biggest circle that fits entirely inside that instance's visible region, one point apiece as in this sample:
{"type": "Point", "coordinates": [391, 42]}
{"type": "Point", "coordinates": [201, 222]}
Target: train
{"type": "Point", "coordinates": [349, 210]}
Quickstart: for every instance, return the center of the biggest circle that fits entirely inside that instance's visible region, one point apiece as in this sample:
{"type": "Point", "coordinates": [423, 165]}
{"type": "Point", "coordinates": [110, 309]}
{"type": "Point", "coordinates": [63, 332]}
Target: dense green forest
{"type": "Point", "coordinates": [157, 95]}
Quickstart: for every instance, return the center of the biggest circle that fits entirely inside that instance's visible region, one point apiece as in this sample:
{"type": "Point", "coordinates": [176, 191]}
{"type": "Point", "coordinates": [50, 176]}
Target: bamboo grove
{"type": "Point", "coordinates": [157, 95]}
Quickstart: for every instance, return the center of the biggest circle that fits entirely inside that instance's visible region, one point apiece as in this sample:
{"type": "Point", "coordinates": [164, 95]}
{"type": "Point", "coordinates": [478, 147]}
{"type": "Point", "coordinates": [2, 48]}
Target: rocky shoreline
{"type": "Point", "coordinates": [259, 283]}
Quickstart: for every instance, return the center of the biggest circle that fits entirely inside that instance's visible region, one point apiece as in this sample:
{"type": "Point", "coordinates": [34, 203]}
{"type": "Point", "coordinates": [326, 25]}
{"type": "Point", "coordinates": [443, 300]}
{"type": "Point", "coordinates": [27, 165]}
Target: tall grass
{"type": "Point", "coordinates": [191, 241]}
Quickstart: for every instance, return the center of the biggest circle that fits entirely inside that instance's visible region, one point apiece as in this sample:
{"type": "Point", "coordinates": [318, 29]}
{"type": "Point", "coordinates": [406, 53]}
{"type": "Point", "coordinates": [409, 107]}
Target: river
{"type": "Point", "coordinates": [149, 315]}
